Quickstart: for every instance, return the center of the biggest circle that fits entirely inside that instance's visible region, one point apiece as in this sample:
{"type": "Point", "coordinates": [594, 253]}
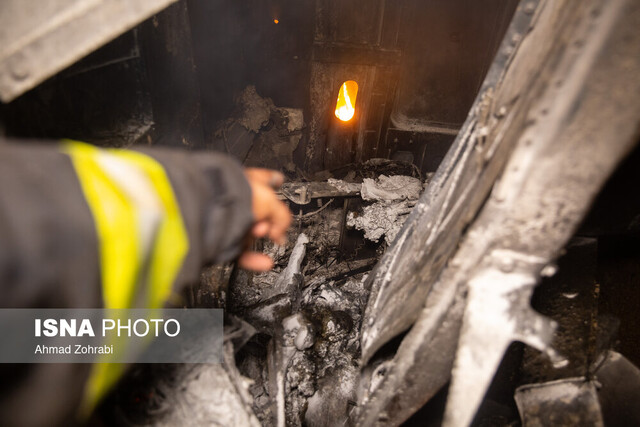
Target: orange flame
{"type": "Point", "coordinates": [346, 105]}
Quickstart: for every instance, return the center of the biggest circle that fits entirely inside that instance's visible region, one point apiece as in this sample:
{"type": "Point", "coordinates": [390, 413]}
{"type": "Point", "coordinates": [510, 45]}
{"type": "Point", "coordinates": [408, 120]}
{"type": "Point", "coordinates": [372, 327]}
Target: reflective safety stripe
{"type": "Point", "coordinates": [141, 233]}
{"type": "Point", "coordinates": [171, 244]}
{"type": "Point", "coordinates": [114, 216]}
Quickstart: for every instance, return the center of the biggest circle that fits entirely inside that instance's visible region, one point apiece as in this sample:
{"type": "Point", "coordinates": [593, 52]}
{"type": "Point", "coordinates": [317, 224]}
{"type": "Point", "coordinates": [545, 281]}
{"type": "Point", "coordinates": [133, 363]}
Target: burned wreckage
{"type": "Point", "coordinates": [431, 211]}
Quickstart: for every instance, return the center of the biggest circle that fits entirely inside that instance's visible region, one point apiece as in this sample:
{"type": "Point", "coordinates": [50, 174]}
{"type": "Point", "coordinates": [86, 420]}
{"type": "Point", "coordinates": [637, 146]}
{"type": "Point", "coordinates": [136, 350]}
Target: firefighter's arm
{"type": "Point", "coordinates": [139, 223]}
{"type": "Point", "coordinates": [87, 227]}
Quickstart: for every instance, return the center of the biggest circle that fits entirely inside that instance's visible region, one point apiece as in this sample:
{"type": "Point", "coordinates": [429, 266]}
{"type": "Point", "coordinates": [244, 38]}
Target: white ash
{"type": "Point", "coordinates": [394, 198]}
{"type": "Point", "coordinates": [356, 286]}
{"type": "Point", "coordinates": [381, 219]}
{"type": "Point", "coordinates": [298, 331]}
{"type": "Point", "coordinates": [389, 188]}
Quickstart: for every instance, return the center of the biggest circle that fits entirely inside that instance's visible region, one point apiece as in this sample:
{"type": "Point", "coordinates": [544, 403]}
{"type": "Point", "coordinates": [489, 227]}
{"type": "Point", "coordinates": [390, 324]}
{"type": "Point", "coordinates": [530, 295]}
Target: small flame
{"type": "Point", "coordinates": [275, 21]}
{"type": "Point", "coordinates": [346, 105]}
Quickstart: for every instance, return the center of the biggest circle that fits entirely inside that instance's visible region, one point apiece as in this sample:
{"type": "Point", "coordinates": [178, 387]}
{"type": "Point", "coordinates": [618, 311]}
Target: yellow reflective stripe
{"type": "Point", "coordinates": [102, 378]}
{"type": "Point", "coordinates": [116, 223]}
{"type": "Point", "coordinates": [171, 244]}
{"type": "Point", "coordinates": [116, 216]}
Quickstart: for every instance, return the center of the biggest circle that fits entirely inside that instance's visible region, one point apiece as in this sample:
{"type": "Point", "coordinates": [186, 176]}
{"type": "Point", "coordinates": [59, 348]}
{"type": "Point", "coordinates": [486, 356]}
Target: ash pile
{"type": "Point", "coordinates": [292, 335]}
{"type": "Point", "coordinates": [307, 311]}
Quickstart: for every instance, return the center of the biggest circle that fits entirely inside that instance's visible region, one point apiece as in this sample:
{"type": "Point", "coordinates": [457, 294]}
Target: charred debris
{"type": "Point", "coordinates": [307, 312]}
{"type": "Point", "coordinates": [292, 335]}
{"type": "Point", "coordinates": [434, 233]}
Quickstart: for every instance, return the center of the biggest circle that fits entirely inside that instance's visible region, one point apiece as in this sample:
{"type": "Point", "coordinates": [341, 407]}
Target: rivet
{"type": "Point", "coordinates": [18, 65]}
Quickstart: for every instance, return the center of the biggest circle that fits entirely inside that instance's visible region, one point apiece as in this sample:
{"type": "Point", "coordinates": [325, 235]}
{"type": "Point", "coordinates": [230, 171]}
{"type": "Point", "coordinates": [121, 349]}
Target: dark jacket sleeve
{"type": "Point", "coordinates": [49, 253]}
{"type": "Point", "coordinates": [48, 243]}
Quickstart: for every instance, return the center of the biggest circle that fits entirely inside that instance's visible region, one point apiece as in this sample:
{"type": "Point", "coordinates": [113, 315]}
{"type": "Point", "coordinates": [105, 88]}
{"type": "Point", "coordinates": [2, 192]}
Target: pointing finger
{"type": "Point", "coordinates": [255, 261]}
{"type": "Point", "coordinates": [268, 177]}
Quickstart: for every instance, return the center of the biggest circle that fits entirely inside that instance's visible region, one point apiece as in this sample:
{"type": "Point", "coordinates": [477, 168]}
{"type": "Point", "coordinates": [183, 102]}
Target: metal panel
{"type": "Point", "coordinates": [557, 113]}
{"type": "Point", "coordinates": [38, 42]}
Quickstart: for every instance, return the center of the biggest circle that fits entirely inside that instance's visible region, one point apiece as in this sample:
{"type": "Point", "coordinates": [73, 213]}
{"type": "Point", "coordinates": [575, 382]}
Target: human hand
{"type": "Point", "coordinates": [271, 217]}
